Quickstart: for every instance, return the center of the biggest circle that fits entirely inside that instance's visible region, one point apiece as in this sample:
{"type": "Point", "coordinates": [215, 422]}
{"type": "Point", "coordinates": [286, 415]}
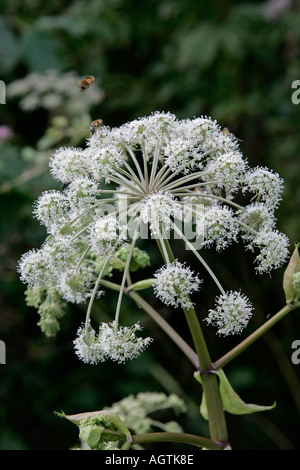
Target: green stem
{"type": "Point", "coordinates": [146, 175]}
{"type": "Point", "coordinates": [177, 437]}
{"type": "Point", "coordinates": [126, 445]}
{"type": "Point", "coordinates": [161, 176]}
{"type": "Point", "coordinates": [154, 165]}
{"type": "Point", "coordinates": [136, 163]}
{"type": "Point", "coordinates": [131, 176]}
{"type": "Point", "coordinates": [216, 417]}
{"type": "Point", "coordinates": [220, 363]}
{"type": "Point", "coordinates": [182, 180]}
{"type": "Point", "coordinates": [92, 299]}
{"type": "Point", "coordinates": [214, 277]}
{"type": "Point", "coordinates": [126, 270]}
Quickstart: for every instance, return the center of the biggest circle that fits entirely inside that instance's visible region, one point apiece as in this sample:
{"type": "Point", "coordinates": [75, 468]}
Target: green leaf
{"type": "Point", "coordinates": [231, 401]}
{"type": "Point", "coordinates": [41, 51]}
{"type": "Point", "coordinates": [9, 51]}
{"type": "Point", "coordinates": [292, 268]}
{"type": "Point", "coordinates": [103, 416]}
{"type": "Point", "coordinates": [91, 435]}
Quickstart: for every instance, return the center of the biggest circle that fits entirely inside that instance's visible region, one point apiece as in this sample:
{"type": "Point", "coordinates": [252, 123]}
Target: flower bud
{"type": "Point", "coordinates": [289, 280]}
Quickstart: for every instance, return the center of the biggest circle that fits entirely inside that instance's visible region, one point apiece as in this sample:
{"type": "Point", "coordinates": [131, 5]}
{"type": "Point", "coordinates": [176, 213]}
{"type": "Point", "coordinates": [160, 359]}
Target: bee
{"type": "Point", "coordinates": [95, 125]}
{"type": "Point", "coordinates": [85, 83]}
{"type": "Point", "coordinates": [226, 131]}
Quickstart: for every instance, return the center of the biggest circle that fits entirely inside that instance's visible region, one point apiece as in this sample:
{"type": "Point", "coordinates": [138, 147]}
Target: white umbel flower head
{"type": "Point", "coordinates": [103, 235]}
{"type": "Point", "coordinates": [173, 284]}
{"type": "Point", "coordinates": [68, 164]}
{"type": "Point", "coordinates": [181, 155]}
{"type": "Point", "coordinates": [231, 314]}
{"type": "Point", "coordinates": [257, 216]}
{"type": "Point", "coordinates": [154, 165]}
{"type": "Point", "coordinates": [266, 185]}
{"type": "Point", "coordinates": [32, 267]}
{"type": "Point", "coordinates": [227, 170]}
{"type": "Point", "coordinates": [159, 209]}
{"type": "Point", "coordinates": [104, 160]}
{"type": "Point", "coordinates": [87, 346]}
{"type": "Point", "coordinates": [218, 227]}
{"type": "Point", "coordinates": [121, 343]}
{"type": "Point", "coordinates": [51, 209]}
{"type": "Point", "coordinates": [159, 126]}
{"type": "Point", "coordinates": [274, 250]}
{"type": "Point", "coordinates": [81, 192]}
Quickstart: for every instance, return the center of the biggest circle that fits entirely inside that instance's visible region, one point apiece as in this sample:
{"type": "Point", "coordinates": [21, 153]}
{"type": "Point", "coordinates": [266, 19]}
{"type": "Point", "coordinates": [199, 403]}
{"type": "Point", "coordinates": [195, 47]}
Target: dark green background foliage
{"type": "Point", "coordinates": [234, 61]}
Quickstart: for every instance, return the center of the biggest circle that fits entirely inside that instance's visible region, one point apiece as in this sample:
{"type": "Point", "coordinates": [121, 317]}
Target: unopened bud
{"type": "Point", "coordinates": [292, 294]}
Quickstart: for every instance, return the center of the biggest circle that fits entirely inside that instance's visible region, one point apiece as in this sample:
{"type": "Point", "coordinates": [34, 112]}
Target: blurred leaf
{"type": "Point", "coordinates": [40, 51]}
{"type": "Point", "coordinates": [9, 50]}
{"type": "Point", "coordinates": [199, 46]}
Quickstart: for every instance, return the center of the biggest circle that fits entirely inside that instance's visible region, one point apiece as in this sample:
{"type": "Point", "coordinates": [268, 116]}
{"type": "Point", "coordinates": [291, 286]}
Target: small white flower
{"type": "Point", "coordinates": [159, 209]}
{"type": "Point", "coordinates": [274, 250]}
{"type": "Point", "coordinates": [218, 226]}
{"type": "Point", "coordinates": [62, 254]}
{"type": "Point", "coordinates": [76, 287]}
{"type": "Point", "coordinates": [173, 284]}
{"type": "Point", "coordinates": [51, 209]}
{"type": "Point", "coordinates": [181, 155]}
{"type": "Point", "coordinates": [67, 164]}
{"type": "Point", "coordinates": [226, 171]}
{"type": "Point", "coordinates": [150, 129]}
{"type": "Point", "coordinates": [266, 185]}
{"type": "Point", "coordinates": [87, 346]}
{"type": "Point", "coordinates": [257, 216]}
{"type": "Point", "coordinates": [103, 161]}
{"type": "Point", "coordinates": [33, 267]}
{"type": "Point", "coordinates": [103, 235]}
{"type": "Point", "coordinates": [82, 192]}
{"type": "Point", "coordinates": [232, 313]}
{"type": "Point", "coordinates": [121, 344]}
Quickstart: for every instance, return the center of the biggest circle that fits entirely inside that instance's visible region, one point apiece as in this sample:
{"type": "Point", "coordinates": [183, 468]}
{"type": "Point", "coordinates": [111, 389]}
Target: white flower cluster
{"type": "Point", "coordinates": [219, 226]}
{"type": "Point", "coordinates": [149, 171]}
{"type": "Point", "coordinates": [159, 210]}
{"type": "Point", "coordinates": [174, 283]}
{"type": "Point", "coordinates": [232, 313]}
{"type": "Point", "coordinates": [112, 342]}
{"type": "Point", "coordinates": [135, 411]}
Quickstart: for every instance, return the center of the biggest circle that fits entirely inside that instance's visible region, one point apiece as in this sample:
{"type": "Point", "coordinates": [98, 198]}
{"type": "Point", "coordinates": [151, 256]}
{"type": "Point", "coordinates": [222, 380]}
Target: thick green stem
{"type": "Point", "coordinates": [254, 336]}
{"type": "Point", "coordinates": [216, 417]}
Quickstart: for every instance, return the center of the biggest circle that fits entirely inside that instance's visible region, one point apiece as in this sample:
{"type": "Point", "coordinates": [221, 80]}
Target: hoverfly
{"type": "Point", "coordinates": [226, 131]}
{"type": "Point", "coordinates": [65, 185]}
{"type": "Point", "coordinates": [85, 83]}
